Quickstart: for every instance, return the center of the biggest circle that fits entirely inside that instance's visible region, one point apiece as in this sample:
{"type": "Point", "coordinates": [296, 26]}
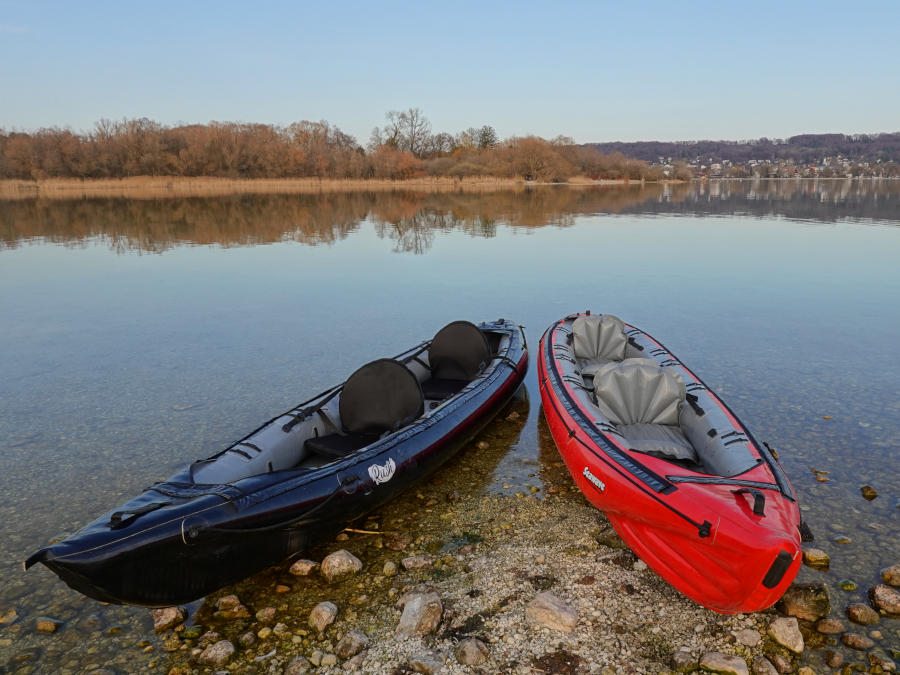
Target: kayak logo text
{"type": "Point", "coordinates": [382, 473]}
{"type": "Point", "coordinates": [592, 479]}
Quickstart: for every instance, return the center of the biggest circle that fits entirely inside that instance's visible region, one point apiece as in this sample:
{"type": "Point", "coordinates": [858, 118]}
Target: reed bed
{"type": "Point", "coordinates": [160, 187]}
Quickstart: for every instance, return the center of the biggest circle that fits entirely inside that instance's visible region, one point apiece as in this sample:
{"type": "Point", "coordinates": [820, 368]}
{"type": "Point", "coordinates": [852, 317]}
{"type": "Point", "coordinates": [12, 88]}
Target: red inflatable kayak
{"type": "Point", "coordinates": [683, 482]}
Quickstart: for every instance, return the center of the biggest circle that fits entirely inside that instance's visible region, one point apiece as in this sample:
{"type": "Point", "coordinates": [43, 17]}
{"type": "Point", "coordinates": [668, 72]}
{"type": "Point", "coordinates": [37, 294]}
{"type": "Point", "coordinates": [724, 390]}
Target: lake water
{"type": "Point", "coordinates": [138, 335]}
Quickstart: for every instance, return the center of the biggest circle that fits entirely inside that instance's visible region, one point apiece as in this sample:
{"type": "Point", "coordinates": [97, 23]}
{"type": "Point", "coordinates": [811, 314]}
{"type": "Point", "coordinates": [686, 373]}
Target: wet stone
{"type": "Point", "coordinates": [303, 568]}
{"type": "Point", "coordinates": [834, 659]}
{"type": "Point", "coordinates": [266, 615]}
{"type": "Point", "coordinates": [46, 624]}
{"type": "Point", "coordinates": [879, 659]}
{"type": "Point", "coordinates": [322, 615]}
{"type": "Point", "coordinates": [862, 614]}
{"type": "Point", "coordinates": [857, 641]}
{"type": "Point", "coordinates": [351, 644]}
{"type": "Point", "coordinates": [471, 652]}
{"type": "Point", "coordinates": [417, 562]}
{"type": "Point", "coordinates": [171, 643]}
{"type": "Point", "coordinates": [299, 665]}
{"type": "Point", "coordinates": [868, 492]}
{"type": "Point", "coordinates": [8, 616]}
{"type": "Point", "coordinates": [421, 614]}
{"type": "Point", "coordinates": [548, 610]}
{"type": "Point", "coordinates": [248, 639]}
{"type": "Point", "coordinates": [847, 585]}
{"type": "Point", "coordinates": [885, 598]}
{"type": "Point", "coordinates": [389, 569]}
{"type": "Point", "coordinates": [397, 541]}
{"type": "Point", "coordinates": [208, 638]}
{"type": "Point", "coordinates": [230, 608]}
{"type": "Point", "coordinates": [806, 601]}
{"type": "Point", "coordinates": [762, 666]}
{"type": "Point", "coordinates": [816, 558]}
{"type": "Point", "coordinates": [683, 662]}
{"type": "Point", "coordinates": [340, 565]}
{"type": "Point", "coordinates": [891, 575]}
{"type": "Point", "coordinates": [217, 654]}
{"type": "Point", "coordinates": [782, 663]}
{"type": "Point", "coordinates": [786, 632]}
{"type": "Point", "coordinates": [167, 617]}
{"type": "Point", "coordinates": [830, 626]}
{"type": "Point", "coordinates": [717, 662]}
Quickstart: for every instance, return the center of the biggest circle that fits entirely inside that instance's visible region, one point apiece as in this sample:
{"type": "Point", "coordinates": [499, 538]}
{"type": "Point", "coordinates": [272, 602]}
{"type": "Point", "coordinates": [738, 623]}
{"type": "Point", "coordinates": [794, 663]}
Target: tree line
{"type": "Point", "coordinates": [804, 148]}
{"type": "Point", "coordinates": [404, 147]}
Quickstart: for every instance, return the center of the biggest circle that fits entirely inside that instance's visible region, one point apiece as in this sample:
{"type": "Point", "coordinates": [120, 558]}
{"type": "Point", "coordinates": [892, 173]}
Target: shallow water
{"type": "Point", "coordinates": [138, 335]}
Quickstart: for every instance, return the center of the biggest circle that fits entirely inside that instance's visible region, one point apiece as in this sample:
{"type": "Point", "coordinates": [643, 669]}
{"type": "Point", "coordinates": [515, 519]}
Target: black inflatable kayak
{"type": "Point", "coordinates": [300, 478]}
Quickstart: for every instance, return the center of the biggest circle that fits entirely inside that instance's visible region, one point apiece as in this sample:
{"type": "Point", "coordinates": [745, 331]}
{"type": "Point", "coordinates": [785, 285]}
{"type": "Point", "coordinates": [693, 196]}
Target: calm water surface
{"type": "Point", "coordinates": [136, 336]}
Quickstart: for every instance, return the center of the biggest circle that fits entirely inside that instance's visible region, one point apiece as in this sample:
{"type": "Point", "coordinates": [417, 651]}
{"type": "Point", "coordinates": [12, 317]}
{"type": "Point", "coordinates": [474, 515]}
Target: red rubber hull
{"type": "Point", "coordinates": [702, 538]}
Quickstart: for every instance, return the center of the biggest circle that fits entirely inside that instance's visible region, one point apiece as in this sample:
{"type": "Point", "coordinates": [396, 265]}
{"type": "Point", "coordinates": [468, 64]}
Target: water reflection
{"type": "Point", "coordinates": [410, 219]}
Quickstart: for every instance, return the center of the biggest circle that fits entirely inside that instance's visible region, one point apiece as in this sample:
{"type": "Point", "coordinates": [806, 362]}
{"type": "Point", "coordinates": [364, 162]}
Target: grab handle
{"type": "Point", "coordinates": [759, 499]}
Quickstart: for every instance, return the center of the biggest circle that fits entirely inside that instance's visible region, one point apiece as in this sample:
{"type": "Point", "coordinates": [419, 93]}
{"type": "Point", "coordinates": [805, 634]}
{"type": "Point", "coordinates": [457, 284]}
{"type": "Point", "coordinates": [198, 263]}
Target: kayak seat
{"type": "Point", "coordinates": [379, 397]}
{"type": "Point", "coordinates": [598, 339]}
{"type": "Point", "coordinates": [644, 401]}
{"type": "Point", "coordinates": [458, 352]}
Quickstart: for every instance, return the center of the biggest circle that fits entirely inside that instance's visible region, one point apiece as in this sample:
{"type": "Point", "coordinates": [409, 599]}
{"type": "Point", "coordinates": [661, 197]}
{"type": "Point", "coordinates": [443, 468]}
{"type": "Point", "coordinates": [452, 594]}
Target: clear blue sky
{"type": "Point", "coordinates": [592, 70]}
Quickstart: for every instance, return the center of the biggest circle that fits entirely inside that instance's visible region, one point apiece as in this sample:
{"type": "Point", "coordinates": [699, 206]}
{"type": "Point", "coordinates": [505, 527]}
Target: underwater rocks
{"type": "Point", "coordinates": [167, 617]}
{"type": "Point", "coordinates": [809, 602]}
{"type": "Point", "coordinates": [886, 599]}
{"type": "Point", "coordinates": [816, 558]}
{"type": "Point", "coordinates": [217, 654]}
{"type": "Point", "coordinates": [322, 616]}
{"type": "Point", "coordinates": [340, 565]}
{"type": "Point", "coordinates": [891, 575]}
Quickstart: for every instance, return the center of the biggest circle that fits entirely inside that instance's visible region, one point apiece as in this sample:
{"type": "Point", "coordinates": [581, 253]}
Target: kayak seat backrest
{"type": "Point", "coordinates": [644, 401]}
{"type": "Point", "coordinates": [457, 354]}
{"type": "Point", "coordinates": [598, 339]}
{"type": "Point", "coordinates": [379, 397]}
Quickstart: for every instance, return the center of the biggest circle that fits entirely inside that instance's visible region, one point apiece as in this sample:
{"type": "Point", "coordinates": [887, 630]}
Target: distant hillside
{"type": "Point", "coordinates": [806, 148]}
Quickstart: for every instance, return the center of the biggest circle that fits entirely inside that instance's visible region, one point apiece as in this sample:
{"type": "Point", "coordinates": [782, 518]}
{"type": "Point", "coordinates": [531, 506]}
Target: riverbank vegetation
{"type": "Point", "coordinates": [403, 148]}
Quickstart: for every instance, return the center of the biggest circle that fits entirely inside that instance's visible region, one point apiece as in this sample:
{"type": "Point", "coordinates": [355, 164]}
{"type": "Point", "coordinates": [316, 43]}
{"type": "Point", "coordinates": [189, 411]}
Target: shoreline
{"type": "Point", "coordinates": [161, 187]}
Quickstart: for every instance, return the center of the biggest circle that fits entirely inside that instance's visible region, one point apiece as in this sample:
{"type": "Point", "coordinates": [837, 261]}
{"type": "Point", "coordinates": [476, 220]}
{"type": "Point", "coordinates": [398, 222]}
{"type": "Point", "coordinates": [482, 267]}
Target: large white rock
{"type": "Point", "coordinates": [323, 615]}
{"type": "Point", "coordinates": [786, 632]}
{"type": "Point", "coordinates": [717, 662]}
{"type": "Point", "coordinates": [421, 614]}
{"type": "Point", "coordinates": [340, 564]}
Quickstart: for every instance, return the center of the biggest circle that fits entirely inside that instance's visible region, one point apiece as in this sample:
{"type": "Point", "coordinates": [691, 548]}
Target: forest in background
{"type": "Point", "coordinates": [404, 147]}
{"type": "Point", "coordinates": [802, 149]}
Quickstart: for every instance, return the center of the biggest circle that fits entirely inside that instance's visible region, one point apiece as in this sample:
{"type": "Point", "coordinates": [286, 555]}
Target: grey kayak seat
{"type": "Point", "coordinates": [597, 340]}
{"type": "Point", "coordinates": [379, 397]}
{"type": "Point", "coordinates": [644, 401]}
{"type": "Point", "coordinates": [458, 352]}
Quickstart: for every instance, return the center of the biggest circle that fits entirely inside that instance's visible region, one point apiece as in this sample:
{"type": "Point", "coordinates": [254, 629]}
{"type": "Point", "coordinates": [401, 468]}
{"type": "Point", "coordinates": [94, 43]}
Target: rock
{"type": "Point", "coordinates": [471, 652]}
{"type": "Point", "coordinates": [717, 662]}
{"type": "Point", "coordinates": [340, 565]}
{"type": "Point", "coordinates": [422, 613]}
{"type": "Point", "coordinates": [316, 657]}
{"type": "Point", "coordinates": [208, 638]}
{"type": "Point", "coordinates": [266, 615]}
{"type": "Point", "coordinates": [857, 641]}
{"type": "Point", "coordinates": [171, 643]}
{"type": "Point", "coordinates": [389, 569]}
{"type": "Point", "coordinates": [328, 660]}
{"type": "Point", "coordinates": [192, 632]}
{"type": "Point", "coordinates": [281, 589]}
{"type": "Point", "coordinates": [806, 601]}
{"type": "Point", "coordinates": [230, 608]}
{"type": "Point", "coordinates": [416, 562]}
{"type": "Point", "coordinates": [880, 660]}
{"type": "Point", "coordinates": [683, 662]}
{"type": "Point", "coordinates": [816, 558]}
{"type": "Point", "coordinates": [280, 629]}
{"type": "Point", "coordinates": [323, 615]}
{"type": "Point", "coordinates": [303, 568]}
{"type": "Point", "coordinates": [264, 633]}
{"type": "Point", "coordinates": [747, 637]}
{"type": "Point", "coordinates": [782, 663]}
{"type": "Point", "coordinates": [248, 639]}
{"type": "Point", "coordinates": [8, 616]}
{"type": "Point", "coordinates": [834, 659]}
{"type": "Point", "coordinates": [843, 540]}
{"type": "Point", "coordinates": [847, 585]}
{"type": "Point", "coordinates": [762, 666]}
{"type": "Point", "coordinates": [805, 670]}
{"type": "Point", "coordinates": [167, 617]}
{"type": "Point", "coordinates": [482, 445]}
{"type": "Point", "coordinates": [351, 644]}
{"type": "Point", "coordinates": [548, 610]}
{"type": "Point", "coordinates": [428, 663]}
{"type": "Point", "coordinates": [46, 624]}
{"type": "Point", "coordinates": [397, 541]}
{"type": "Point", "coordinates": [830, 626]}
{"type": "Point", "coordinates": [299, 665]}
{"type": "Point", "coordinates": [862, 614]}
{"type": "Point", "coordinates": [356, 662]}
{"type": "Point", "coordinates": [885, 598]}
{"type": "Point", "coordinates": [217, 654]}
{"type": "Point", "coordinates": [891, 575]}
{"type": "Point", "coordinates": [786, 632]}
{"type": "Point", "coordinates": [868, 492]}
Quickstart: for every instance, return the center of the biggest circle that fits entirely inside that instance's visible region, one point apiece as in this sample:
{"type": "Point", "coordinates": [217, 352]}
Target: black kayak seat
{"type": "Point", "coordinates": [458, 352]}
{"type": "Point", "coordinates": [380, 396]}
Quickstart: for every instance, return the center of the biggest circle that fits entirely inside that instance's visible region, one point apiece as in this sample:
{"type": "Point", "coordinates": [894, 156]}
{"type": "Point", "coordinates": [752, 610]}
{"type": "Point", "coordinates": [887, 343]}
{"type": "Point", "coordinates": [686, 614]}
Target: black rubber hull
{"type": "Point", "coordinates": [198, 543]}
